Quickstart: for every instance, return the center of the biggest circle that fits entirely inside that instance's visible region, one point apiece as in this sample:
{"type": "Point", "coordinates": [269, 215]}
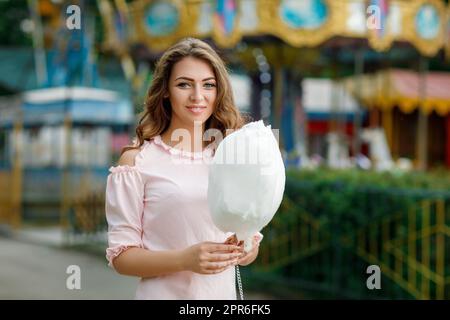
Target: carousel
{"type": "Point", "coordinates": [284, 47]}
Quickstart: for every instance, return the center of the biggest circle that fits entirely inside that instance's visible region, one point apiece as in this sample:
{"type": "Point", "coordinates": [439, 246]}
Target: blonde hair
{"type": "Point", "coordinates": [157, 113]}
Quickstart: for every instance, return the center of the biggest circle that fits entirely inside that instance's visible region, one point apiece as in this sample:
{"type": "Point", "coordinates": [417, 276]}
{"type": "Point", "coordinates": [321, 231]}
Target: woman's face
{"type": "Point", "coordinates": [192, 92]}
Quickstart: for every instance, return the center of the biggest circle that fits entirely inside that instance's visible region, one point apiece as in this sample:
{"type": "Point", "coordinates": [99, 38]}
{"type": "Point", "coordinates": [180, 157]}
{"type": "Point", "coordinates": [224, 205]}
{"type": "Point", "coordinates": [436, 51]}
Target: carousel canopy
{"type": "Point", "coordinates": [405, 89]}
{"type": "Point", "coordinates": [306, 23]}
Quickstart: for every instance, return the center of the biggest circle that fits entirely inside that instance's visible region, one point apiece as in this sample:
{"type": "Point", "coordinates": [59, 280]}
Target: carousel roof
{"type": "Point", "coordinates": [405, 89]}
{"type": "Point", "coordinates": [159, 24]}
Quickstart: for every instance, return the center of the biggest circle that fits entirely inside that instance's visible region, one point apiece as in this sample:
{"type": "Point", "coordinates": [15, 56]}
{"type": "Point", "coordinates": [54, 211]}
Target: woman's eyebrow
{"type": "Point", "coordinates": [190, 79]}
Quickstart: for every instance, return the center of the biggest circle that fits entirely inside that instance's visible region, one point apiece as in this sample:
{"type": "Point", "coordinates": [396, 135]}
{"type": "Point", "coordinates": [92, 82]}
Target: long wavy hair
{"type": "Point", "coordinates": [157, 109]}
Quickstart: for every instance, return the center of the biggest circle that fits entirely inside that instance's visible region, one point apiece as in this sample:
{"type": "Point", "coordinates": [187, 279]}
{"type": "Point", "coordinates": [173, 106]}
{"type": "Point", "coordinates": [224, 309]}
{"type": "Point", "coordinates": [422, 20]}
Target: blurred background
{"type": "Point", "coordinates": [360, 90]}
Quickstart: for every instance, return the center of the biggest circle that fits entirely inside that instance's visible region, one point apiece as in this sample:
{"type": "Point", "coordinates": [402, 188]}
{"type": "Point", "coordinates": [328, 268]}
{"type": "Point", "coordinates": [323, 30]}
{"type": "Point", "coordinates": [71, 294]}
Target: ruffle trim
{"type": "Point", "coordinates": [123, 168]}
{"type": "Point", "coordinates": [112, 253]}
{"type": "Point", "coordinates": [208, 152]}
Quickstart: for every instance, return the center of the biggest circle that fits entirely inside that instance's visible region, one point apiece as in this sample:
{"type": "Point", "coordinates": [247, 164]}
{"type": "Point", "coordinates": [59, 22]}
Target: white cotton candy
{"type": "Point", "coordinates": [246, 181]}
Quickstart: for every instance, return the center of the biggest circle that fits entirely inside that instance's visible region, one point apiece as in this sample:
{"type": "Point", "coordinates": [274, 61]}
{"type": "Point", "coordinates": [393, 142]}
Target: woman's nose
{"type": "Point", "coordinates": [197, 94]}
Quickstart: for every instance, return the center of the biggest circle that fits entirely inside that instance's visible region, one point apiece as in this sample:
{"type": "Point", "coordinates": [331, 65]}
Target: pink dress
{"type": "Point", "coordinates": [161, 204]}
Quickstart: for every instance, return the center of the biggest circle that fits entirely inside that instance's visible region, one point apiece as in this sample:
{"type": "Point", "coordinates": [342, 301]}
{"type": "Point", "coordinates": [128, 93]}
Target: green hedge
{"type": "Point", "coordinates": [418, 181]}
{"type": "Point", "coordinates": [352, 198]}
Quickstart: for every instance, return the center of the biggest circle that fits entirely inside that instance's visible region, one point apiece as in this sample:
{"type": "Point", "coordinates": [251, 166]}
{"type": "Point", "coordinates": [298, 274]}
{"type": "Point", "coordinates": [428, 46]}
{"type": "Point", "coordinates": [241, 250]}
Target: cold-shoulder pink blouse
{"type": "Point", "coordinates": [160, 203]}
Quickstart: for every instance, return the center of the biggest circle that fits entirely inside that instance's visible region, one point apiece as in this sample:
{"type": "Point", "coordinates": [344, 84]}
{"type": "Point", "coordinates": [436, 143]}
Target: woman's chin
{"type": "Point", "coordinates": [197, 119]}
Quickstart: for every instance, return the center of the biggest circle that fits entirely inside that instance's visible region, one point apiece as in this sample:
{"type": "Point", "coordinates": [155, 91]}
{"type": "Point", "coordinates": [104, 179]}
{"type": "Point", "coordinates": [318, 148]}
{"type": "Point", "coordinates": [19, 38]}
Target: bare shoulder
{"type": "Point", "coordinates": [127, 158]}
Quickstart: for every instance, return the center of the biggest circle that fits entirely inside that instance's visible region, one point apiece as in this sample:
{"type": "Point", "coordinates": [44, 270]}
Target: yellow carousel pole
{"type": "Point", "coordinates": [66, 195]}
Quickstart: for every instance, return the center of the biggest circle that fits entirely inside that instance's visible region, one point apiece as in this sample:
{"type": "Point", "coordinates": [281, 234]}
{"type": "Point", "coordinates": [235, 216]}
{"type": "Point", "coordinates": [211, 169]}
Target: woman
{"type": "Point", "coordinates": [159, 225]}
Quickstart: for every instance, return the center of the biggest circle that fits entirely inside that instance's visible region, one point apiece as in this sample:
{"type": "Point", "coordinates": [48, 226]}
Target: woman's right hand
{"type": "Point", "coordinates": [210, 257]}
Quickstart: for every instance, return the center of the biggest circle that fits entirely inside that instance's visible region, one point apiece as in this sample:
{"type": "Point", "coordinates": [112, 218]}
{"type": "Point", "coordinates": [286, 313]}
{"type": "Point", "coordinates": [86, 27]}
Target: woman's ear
{"type": "Point", "coordinates": [166, 95]}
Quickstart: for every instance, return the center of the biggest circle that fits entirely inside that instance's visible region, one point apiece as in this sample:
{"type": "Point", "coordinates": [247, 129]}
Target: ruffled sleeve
{"type": "Point", "coordinates": [124, 206]}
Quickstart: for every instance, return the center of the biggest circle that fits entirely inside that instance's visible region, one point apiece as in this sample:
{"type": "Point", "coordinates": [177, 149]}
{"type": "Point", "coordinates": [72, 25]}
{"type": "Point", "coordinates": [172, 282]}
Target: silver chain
{"type": "Point", "coordinates": [238, 277]}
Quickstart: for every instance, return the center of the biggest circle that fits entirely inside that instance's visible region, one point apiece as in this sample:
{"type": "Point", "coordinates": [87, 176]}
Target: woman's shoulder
{"type": "Point", "coordinates": [128, 158]}
{"type": "Point", "coordinates": [139, 156]}
{"type": "Point", "coordinates": [131, 160]}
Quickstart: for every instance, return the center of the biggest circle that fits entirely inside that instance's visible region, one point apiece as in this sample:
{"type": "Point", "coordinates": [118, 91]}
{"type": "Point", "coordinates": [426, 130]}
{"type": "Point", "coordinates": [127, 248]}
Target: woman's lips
{"type": "Point", "coordinates": [196, 109]}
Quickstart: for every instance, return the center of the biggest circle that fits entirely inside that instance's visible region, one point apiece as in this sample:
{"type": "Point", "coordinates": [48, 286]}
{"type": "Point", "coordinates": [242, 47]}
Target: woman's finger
{"type": "Point", "coordinates": [223, 256]}
{"type": "Point", "coordinates": [219, 270]}
{"type": "Point", "coordinates": [251, 255]}
{"type": "Point", "coordinates": [222, 247]}
{"type": "Point", "coordinates": [220, 265]}
{"type": "Point", "coordinates": [214, 271]}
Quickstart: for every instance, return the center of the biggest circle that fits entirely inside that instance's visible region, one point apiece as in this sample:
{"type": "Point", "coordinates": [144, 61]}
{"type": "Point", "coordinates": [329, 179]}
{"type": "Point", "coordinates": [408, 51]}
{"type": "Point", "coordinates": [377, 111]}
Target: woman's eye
{"type": "Point", "coordinates": [183, 85]}
{"type": "Point", "coordinates": [210, 85]}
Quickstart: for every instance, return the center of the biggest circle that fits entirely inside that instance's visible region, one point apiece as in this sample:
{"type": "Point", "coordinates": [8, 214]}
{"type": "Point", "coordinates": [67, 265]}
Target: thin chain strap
{"type": "Point", "coordinates": [238, 277]}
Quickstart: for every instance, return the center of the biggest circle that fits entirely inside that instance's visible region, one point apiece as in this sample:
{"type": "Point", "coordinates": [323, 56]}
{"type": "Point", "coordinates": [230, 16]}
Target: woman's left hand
{"type": "Point", "coordinates": [247, 257]}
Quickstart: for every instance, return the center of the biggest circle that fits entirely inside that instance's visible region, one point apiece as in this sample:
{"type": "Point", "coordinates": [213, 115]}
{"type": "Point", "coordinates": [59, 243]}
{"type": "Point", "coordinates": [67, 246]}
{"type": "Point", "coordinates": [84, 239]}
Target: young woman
{"type": "Point", "coordinates": [159, 225]}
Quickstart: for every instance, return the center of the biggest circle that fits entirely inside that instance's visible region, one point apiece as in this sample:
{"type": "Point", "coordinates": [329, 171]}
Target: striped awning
{"type": "Point", "coordinates": [405, 89]}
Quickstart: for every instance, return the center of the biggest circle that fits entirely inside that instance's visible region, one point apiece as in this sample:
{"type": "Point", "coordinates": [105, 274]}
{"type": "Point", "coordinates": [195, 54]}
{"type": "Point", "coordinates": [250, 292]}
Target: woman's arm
{"type": "Point", "coordinates": [204, 258]}
{"type": "Point", "coordinates": [144, 263]}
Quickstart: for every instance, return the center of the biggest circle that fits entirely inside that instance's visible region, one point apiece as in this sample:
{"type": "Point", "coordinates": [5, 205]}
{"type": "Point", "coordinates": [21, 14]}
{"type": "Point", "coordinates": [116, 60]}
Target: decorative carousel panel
{"type": "Point", "coordinates": [205, 13]}
{"type": "Point", "coordinates": [361, 15]}
{"type": "Point", "coordinates": [249, 20]}
{"type": "Point", "coordinates": [225, 22]}
{"type": "Point", "coordinates": [303, 14]}
{"type": "Point", "coordinates": [427, 22]}
{"type": "Point", "coordinates": [299, 22]}
{"type": "Point", "coordinates": [162, 22]}
{"type": "Point", "coordinates": [395, 18]}
{"type": "Point", "coordinates": [379, 23]}
{"type": "Point", "coordinates": [355, 20]}
{"type": "Point", "coordinates": [161, 19]}
{"type": "Point", "coordinates": [425, 25]}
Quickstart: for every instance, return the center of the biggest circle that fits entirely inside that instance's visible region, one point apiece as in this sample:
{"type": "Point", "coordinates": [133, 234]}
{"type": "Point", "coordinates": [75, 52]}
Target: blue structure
{"type": "Point", "coordinates": [70, 131]}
